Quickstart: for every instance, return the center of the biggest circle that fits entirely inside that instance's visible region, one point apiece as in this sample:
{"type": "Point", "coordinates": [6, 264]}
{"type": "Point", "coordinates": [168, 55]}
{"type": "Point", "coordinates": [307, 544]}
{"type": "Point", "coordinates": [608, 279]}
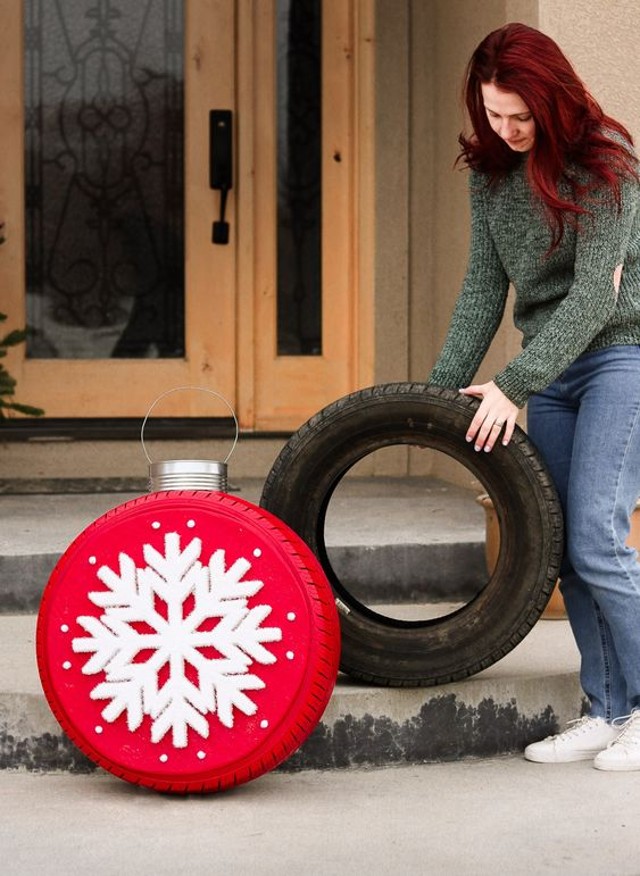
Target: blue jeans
{"type": "Point", "coordinates": [586, 426]}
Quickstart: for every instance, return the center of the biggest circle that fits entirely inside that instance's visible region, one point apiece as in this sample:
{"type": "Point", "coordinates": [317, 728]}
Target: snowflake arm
{"type": "Point", "coordinates": [228, 583]}
{"type": "Point", "coordinates": [126, 696]}
{"type": "Point", "coordinates": [230, 695]}
{"type": "Point", "coordinates": [239, 633]}
{"type": "Point", "coordinates": [175, 709]}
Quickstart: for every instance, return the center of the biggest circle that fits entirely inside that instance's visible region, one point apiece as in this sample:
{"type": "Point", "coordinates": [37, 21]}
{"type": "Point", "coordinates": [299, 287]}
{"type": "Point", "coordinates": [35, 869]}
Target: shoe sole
{"type": "Point", "coordinates": [573, 758]}
{"type": "Point", "coordinates": [617, 768]}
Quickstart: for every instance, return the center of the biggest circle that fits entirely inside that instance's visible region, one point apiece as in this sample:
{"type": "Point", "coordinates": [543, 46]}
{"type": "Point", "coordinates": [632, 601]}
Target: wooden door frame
{"type": "Point", "coordinates": [281, 392]}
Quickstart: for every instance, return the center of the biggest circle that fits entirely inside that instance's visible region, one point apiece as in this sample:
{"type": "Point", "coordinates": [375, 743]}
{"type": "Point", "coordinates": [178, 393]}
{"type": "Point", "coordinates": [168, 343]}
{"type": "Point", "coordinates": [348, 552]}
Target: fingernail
{"type": "Point", "coordinates": [487, 449]}
{"type": "Point", "coordinates": [477, 447]}
{"type": "Point", "coordinates": [468, 438]}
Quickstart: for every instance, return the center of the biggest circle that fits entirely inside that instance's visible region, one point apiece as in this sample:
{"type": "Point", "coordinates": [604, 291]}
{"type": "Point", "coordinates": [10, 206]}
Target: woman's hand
{"type": "Point", "coordinates": [496, 412]}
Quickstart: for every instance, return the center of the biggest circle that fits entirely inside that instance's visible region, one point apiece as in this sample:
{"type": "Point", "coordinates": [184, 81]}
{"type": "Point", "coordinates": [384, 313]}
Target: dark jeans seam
{"type": "Point", "coordinates": [604, 645]}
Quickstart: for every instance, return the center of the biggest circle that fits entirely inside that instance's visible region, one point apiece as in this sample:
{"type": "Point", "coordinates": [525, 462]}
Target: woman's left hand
{"type": "Point", "coordinates": [495, 414]}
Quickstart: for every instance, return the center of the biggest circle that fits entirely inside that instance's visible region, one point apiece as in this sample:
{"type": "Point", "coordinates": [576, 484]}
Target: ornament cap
{"type": "Point", "coordinates": [188, 474]}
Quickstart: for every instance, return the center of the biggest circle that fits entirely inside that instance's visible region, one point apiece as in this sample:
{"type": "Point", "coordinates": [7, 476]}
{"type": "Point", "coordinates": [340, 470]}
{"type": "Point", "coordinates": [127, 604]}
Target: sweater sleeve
{"type": "Point", "coordinates": [481, 302]}
{"type": "Point", "coordinates": [601, 246]}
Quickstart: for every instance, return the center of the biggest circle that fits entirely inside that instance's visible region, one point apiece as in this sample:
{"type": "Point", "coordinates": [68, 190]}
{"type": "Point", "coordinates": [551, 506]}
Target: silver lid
{"type": "Point", "coordinates": [188, 474]}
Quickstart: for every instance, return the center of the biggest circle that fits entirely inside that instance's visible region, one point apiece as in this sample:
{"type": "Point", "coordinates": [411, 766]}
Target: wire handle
{"type": "Point", "coordinates": [196, 389]}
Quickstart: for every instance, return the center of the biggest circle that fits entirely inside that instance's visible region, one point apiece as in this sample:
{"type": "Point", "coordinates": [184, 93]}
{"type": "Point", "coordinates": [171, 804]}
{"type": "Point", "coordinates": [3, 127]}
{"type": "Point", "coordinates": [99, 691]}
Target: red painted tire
{"type": "Point", "coordinates": [188, 641]}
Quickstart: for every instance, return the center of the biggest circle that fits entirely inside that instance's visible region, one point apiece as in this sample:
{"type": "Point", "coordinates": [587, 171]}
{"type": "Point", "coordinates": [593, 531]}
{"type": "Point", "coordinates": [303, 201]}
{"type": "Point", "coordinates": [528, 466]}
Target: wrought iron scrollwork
{"type": "Point", "coordinates": [104, 180]}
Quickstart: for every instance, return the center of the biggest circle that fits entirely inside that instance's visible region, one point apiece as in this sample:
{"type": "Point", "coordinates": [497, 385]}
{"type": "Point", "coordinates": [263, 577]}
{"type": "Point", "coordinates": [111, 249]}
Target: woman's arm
{"type": "Point", "coordinates": [481, 302]}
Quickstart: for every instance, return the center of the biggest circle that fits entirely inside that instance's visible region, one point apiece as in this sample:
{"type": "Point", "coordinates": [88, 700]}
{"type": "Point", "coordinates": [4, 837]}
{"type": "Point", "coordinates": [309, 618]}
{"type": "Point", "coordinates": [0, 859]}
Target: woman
{"type": "Point", "coordinates": [555, 205]}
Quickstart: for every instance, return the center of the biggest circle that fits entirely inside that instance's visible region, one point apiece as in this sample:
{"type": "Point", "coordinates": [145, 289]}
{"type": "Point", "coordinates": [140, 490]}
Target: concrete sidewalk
{"type": "Point", "coordinates": [472, 818]}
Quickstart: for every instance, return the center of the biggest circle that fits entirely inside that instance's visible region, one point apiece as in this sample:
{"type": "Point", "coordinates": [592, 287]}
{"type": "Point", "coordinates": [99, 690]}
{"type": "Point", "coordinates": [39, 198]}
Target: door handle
{"type": "Point", "coordinates": [221, 166]}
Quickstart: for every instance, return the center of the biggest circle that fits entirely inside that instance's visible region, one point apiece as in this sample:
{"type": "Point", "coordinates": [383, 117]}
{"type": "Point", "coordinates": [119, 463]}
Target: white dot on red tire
{"type": "Point", "coordinates": [290, 655]}
{"type": "Point", "coordinates": [264, 724]}
{"type": "Point", "coordinates": [201, 755]}
{"type": "Point", "coordinates": [291, 616]}
{"type": "Point", "coordinates": [99, 729]}
{"type": "Point", "coordinates": [64, 628]}
{"type": "Point", "coordinates": [155, 525]}
{"type": "Point", "coordinates": [164, 758]}
{"type": "Point", "coordinates": [66, 665]}
{"type": "Point", "coordinates": [257, 552]}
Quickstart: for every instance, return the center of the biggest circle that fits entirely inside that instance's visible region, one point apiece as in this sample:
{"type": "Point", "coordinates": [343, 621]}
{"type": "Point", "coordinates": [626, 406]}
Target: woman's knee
{"type": "Point", "coordinates": [598, 551]}
{"type": "Point", "coordinates": [593, 547]}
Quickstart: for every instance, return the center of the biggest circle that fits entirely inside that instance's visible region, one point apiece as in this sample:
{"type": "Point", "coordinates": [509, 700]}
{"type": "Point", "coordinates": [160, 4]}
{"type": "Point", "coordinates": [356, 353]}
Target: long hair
{"type": "Point", "coordinates": [572, 131]}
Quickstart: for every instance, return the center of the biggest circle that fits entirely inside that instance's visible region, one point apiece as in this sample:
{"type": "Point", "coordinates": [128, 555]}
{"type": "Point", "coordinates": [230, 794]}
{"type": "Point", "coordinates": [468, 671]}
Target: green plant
{"type": "Point", "coordinates": [7, 382]}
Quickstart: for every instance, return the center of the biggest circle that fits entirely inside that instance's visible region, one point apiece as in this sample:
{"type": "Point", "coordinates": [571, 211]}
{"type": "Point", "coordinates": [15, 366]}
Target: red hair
{"type": "Point", "coordinates": [571, 127]}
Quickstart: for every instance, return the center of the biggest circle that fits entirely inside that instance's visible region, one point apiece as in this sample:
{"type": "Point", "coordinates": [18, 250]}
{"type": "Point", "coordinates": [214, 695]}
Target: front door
{"type": "Point", "coordinates": [105, 192]}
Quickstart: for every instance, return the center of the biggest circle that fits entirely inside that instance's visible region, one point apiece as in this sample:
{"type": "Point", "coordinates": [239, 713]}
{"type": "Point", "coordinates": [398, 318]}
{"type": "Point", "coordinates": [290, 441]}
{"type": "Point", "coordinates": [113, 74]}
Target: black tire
{"type": "Point", "coordinates": [384, 650]}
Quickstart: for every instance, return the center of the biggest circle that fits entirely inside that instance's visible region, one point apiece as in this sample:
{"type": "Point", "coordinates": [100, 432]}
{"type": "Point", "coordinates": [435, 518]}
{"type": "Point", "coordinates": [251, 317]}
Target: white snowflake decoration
{"type": "Point", "coordinates": [175, 640]}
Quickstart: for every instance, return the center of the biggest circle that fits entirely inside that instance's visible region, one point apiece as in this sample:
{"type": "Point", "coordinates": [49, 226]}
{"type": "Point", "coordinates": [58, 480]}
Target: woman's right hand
{"type": "Point", "coordinates": [495, 414]}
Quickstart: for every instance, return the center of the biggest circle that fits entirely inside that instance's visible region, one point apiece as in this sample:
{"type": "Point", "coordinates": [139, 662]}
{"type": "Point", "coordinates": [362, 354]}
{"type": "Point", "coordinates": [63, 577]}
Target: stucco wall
{"type": "Point", "coordinates": [603, 49]}
{"type": "Point", "coordinates": [393, 184]}
{"type": "Point", "coordinates": [459, 25]}
{"type": "Point", "coordinates": [421, 200]}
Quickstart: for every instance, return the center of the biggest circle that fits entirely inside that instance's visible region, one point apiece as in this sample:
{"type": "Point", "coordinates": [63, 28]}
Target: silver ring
{"type": "Point", "coordinates": [499, 423]}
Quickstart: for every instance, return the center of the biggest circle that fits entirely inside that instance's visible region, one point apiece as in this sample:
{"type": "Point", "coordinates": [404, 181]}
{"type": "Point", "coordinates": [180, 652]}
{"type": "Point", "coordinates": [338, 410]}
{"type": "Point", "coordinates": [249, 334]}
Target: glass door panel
{"type": "Point", "coordinates": [299, 167]}
{"type": "Point", "coordinates": [104, 179]}
{"type": "Point", "coordinates": [105, 193]}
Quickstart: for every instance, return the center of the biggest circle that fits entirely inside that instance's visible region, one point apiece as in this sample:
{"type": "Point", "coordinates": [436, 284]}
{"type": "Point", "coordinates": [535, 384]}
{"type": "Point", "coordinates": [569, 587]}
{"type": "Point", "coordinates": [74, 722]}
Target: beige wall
{"type": "Point", "coordinates": [421, 201]}
{"type": "Point", "coordinates": [603, 49]}
{"type": "Point", "coordinates": [393, 184]}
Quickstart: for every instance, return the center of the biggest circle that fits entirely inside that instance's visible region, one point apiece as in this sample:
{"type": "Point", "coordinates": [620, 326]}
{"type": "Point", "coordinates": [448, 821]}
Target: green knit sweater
{"type": "Point", "coordinates": [565, 302]}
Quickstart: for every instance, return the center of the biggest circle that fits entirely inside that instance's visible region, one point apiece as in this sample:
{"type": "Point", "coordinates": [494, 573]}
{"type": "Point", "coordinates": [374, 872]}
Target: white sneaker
{"type": "Point", "coordinates": [582, 740]}
{"type": "Point", "coordinates": [624, 752]}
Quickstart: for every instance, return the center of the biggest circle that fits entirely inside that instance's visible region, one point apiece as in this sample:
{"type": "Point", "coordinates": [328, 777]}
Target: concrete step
{"type": "Point", "coordinates": [528, 694]}
{"type": "Point", "coordinates": [383, 534]}
{"type": "Point", "coordinates": [58, 457]}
